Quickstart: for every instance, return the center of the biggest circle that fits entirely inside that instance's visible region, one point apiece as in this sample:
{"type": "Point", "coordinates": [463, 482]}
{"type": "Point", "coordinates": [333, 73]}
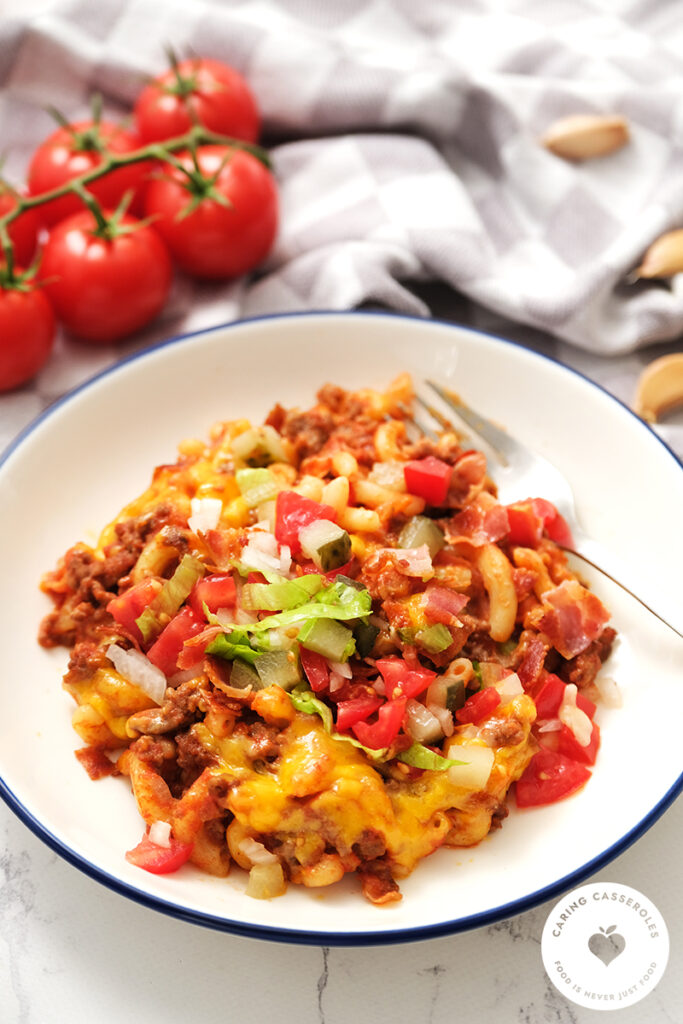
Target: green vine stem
{"type": "Point", "coordinates": [155, 151]}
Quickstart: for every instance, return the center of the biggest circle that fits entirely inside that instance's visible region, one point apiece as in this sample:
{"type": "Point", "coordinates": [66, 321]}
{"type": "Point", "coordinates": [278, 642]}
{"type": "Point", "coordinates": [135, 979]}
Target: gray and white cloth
{"type": "Point", "coordinates": [405, 138]}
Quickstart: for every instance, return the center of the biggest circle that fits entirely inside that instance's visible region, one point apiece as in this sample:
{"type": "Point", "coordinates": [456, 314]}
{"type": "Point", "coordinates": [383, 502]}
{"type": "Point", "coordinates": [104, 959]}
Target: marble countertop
{"type": "Point", "coordinates": [72, 950]}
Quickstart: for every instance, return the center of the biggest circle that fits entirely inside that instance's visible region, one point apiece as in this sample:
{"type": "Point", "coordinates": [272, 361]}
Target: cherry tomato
{"type": "Point", "coordinates": [160, 860]}
{"type": "Point", "coordinates": [199, 91]}
{"type": "Point", "coordinates": [27, 333]}
{"type": "Point", "coordinates": [23, 231]}
{"type": "Point", "coordinates": [72, 151]}
{"type": "Point", "coordinates": [217, 238]}
{"type": "Point", "coordinates": [104, 289]}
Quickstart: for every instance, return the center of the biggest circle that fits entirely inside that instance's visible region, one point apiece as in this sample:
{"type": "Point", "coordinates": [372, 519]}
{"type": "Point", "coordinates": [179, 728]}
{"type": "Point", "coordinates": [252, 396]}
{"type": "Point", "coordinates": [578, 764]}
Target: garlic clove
{"type": "Point", "coordinates": [585, 136]}
{"type": "Point", "coordinates": [664, 258]}
{"type": "Point", "coordinates": [660, 387]}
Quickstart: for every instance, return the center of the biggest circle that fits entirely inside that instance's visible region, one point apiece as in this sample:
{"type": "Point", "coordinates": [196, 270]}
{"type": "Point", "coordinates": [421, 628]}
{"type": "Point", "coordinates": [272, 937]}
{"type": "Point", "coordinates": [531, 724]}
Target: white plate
{"type": "Point", "coordinates": [80, 462]}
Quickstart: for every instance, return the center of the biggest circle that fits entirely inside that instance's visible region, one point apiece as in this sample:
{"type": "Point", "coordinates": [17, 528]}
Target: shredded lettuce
{"type": "Point", "coordinates": [169, 599]}
{"type": "Point", "coordinates": [338, 601]}
{"type": "Point", "coordinates": [256, 485]}
{"type": "Point", "coordinates": [419, 756]}
{"type": "Point", "coordinates": [279, 594]}
{"type": "Point", "coordinates": [233, 645]}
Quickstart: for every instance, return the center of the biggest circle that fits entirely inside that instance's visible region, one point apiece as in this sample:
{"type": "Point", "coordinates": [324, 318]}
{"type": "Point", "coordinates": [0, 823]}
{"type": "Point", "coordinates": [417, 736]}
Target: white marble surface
{"type": "Point", "coordinates": [72, 950]}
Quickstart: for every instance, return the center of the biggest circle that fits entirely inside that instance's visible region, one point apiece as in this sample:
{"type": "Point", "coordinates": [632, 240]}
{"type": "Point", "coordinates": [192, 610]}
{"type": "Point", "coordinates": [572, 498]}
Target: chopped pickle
{"type": "Point", "coordinates": [326, 544]}
{"type": "Point", "coordinates": [421, 530]}
{"type": "Point", "coordinates": [329, 638]}
{"type": "Point", "coordinates": [278, 668]}
{"type": "Point", "coordinates": [243, 675]}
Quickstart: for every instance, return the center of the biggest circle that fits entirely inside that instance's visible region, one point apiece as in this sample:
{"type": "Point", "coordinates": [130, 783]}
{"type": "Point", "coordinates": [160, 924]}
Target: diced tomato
{"type": "Point", "coordinates": [428, 478]}
{"type": "Point", "coordinates": [382, 733]}
{"type": "Point", "coordinates": [570, 746]}
{"type": "Point", "coordinates": [292, 512]}
{"type": "Point", "coordinates": [554, 524]}
{"type": "Point", "coordinates": [308, 568]}
{"type": "Point", "coordinates": [160, 860]}
{"type": "Point", "coordinates": [349, 712]}
{"type": "Point", "coordinates": [479, 706]}
{"type": "Point", "coordinates": [402, 681]}
{"type": "Point", "coordinates": [586, 705]}
{"type": "Point", "coordinates": [549, 697]}
{"type": "Point", "coordinates": [526, 526]}
{"type": "Point", "coordinates": [130, 605]}
{"type": "Point", "coordinates": [217, 591]}
{"type": "Point", "coordinates": [316, 668]}
{"type": "Point", "coordinates": [165, 650]}
{"type": "Point", "coordinates": [548, 777]}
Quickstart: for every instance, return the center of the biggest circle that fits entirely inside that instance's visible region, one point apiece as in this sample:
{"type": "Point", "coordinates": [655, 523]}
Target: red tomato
{"type": "Point", "coordinates": [130, 605]}
{"type": "Point", "coordinates": [165, 650]}
{"type": "Point", "coordinates": [586, 705]}
{"type": "Point", "coordinates": [357, 709]}
{"type": "Point", "coordinates": [104, 289]}
{"type": "Point", "coordinates": [570, 746]}
{"type": "Point", "coordinates": [292, 512]}
{"type": "Point", "coordinates": [402, 681]}
{"type": "Point", "coordinates": [554, 524]}
{"type": "Point", "coordinates": [549, 697]}
{"type": "Point", "coordinates": [382, 733]}
{"type": "Point", "coordinates": [316, 668]}
{"type": "Point", "coordinates": [160, 860]}
{"type": "Point", "coordinates": [479, 706]}
{"type": "Point", "coordinates": [72, 151]}
{"type": "Point", "coordinates": [548, 777]}
{"type": "Point", "coordinates": [218, 238]}
{"type": "Point", "coordinates": [23, 231]}
{"type": "Point", "coordinates": [217, 591]}
{"type": "Point", "coordinates": [428, 478]}
{"type": "Point", "coordinates": [27, 332]}
{"type": "Point", "coordinates": [197, 91]}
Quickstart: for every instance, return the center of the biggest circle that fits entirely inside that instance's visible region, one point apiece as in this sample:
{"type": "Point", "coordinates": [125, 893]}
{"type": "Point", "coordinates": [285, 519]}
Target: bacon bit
{"type": "Point", "coordinates": [532, 662]}
{"type": "Point", "coordinates": [484, 521]}
{"type": "Point", "coordinates": [573, 617]}
{"type": "Point", "coordinates": [523, 580]}
{"type": "Point", "coordinates": [443, 605]}
{"type": "Point", "coordinates": [96, 763]}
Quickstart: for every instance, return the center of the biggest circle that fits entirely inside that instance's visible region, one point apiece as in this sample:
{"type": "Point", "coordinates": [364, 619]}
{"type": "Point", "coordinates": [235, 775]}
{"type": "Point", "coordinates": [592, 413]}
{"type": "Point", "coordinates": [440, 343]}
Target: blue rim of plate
{"type": "Point", "coordinates": [316, 938]}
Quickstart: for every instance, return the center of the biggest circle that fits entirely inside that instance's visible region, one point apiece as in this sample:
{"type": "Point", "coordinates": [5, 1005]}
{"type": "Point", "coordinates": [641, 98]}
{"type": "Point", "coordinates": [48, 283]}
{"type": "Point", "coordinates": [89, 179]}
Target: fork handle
{"type": "Point", "coordinates": [595, 556]}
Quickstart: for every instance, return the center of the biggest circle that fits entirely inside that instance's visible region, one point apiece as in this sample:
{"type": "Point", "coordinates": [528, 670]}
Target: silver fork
{"type": "Point", "coordinates": [520, 472]}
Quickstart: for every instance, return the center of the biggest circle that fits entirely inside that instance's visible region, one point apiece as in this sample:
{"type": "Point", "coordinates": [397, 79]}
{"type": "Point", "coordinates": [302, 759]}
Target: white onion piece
{"type": "Point", "coordinates": [160, 833]}
{"type": "Point", "coordinates": [552, 725]}
{"type": "Point", "coordinates": [263, 540]}
{"type": "Point", "coordinates": [266, 881]}
{"type": "Point", "coordinates": [205, 514]}
{"type": "Point", "coordinates": [138, 669]}
{"type": "Point", "coordinates": [444, 716]}
{"type": "Point", "coordinates": [609, 691]}
{"type": "Point", "coordinates": [509, 687]}
{"type": "Point", "coordinates": [255, 852]}
{"type": "Point", "coordinates": [421, 724]}
{"type": "Point", "coordinates": [474, 774]}
{"type": "Point", "coordinates": [574, 718]}
{"type": "Point", "coordinates": [259, 560]}
{"type": "Point", "coordinates": [342, 668]}
{"type": "Point", "coordinates": [336, 681]}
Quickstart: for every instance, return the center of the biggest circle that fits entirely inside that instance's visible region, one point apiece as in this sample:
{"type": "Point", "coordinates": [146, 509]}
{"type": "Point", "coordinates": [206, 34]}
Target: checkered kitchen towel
{"type": "Point", "coordinates": [405, 139]}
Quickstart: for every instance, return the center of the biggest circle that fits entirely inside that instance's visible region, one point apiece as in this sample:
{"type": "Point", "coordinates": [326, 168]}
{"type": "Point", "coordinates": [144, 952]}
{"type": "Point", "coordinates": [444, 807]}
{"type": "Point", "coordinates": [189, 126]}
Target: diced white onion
{"type": "Point", "coordinates": [336, 682]}
{"type": "Point", "coordinates": [160, 833]}
{"type": "Point", "coordinates": [509, 687]}
{"type": "Point", "coordinates": [138, 669]}
{"type": "Point", "coordinates": [242, 617]}
{"type": "Point", "coordinates": [574, 718]}
{"type": "Point", "coordinates": [444, 716]}
{"type": "Point", "coordinates": [255, 852]}
{"type": "Point", "coordinates": [342, 668]}
{"type": "Point", "coordinates": [266, 881]}
{"type": "Point", "coordinates": [474, 774]}
{"type": "Point", "coordinates": [264, 554]}
{"type": "Point", "coordinates": [205, 514]}
{"type": "Point", "coordinates": [609, 691]}
{"type": "Point", "coordinates": [421, 724]}
{"type": "Point", "coordinates": [552, 725]}
{"type": "Point", "coordinates": [259, 560]}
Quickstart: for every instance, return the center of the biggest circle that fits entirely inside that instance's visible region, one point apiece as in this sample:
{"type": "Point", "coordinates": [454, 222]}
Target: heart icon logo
{"type": "Point", "coordinates": [607, 944]}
